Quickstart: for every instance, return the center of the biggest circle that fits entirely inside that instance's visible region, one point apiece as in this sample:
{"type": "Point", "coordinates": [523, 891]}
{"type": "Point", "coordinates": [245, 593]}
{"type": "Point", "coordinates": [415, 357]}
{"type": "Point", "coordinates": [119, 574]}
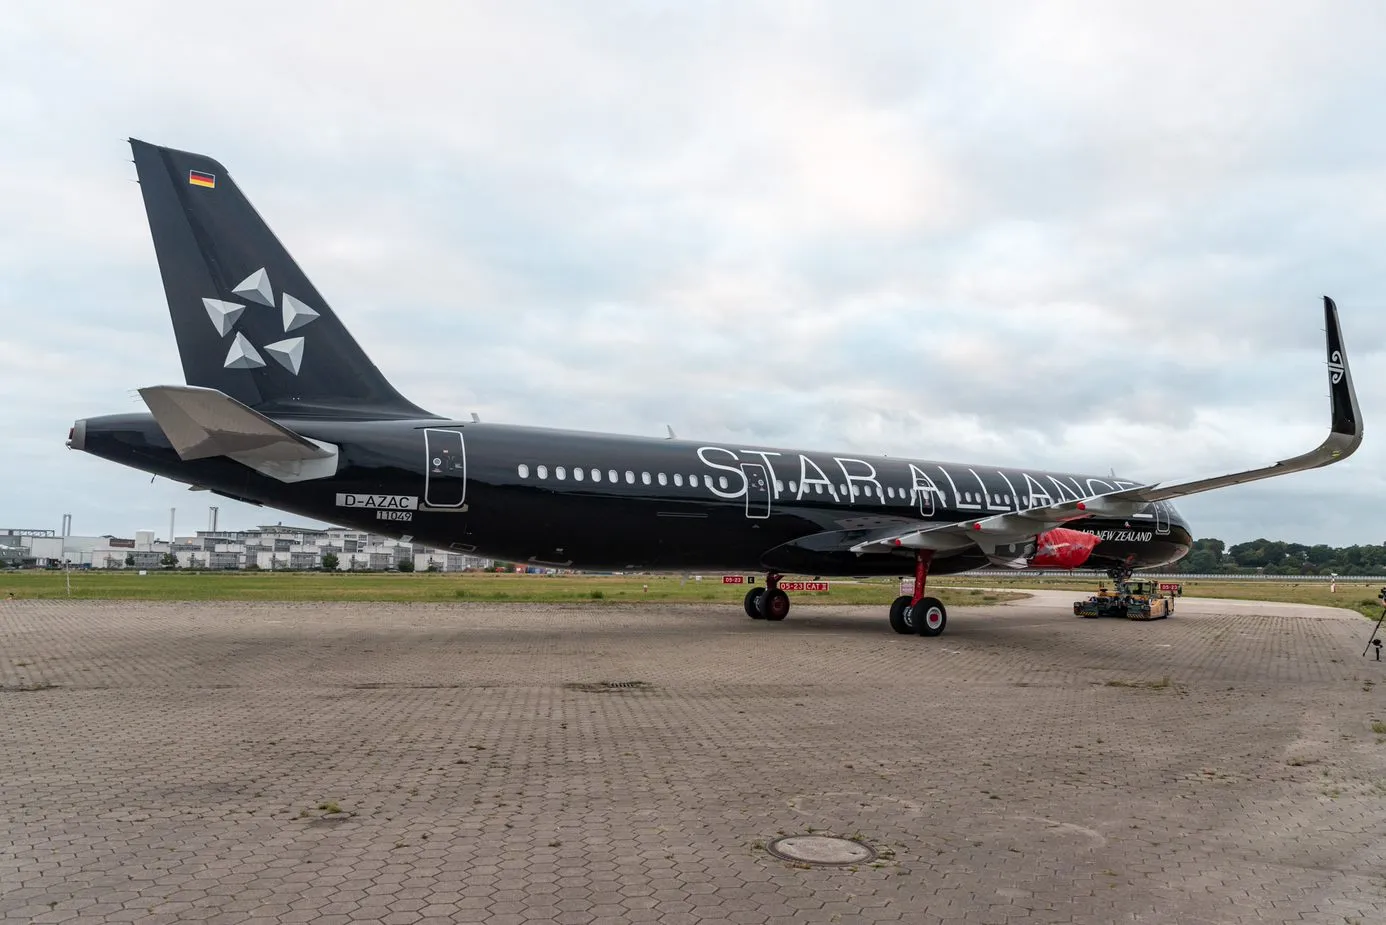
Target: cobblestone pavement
{"type": "Point", "coordinates": [333, 763]}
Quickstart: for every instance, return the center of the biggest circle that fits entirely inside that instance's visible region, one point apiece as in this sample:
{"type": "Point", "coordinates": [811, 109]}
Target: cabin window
{"type": "Point", "coordinates": [663, 479]}
{"type": "Point", "coordinates": [523, 470]}
{"type": "Point", "coordinates": [630, 477]}
{"type": "Point", "coordinates": [678, 479]}
{"type": "Point", "coordinates": [722, 481]}
{"type": "Point", "coordinates": [611, 476]}
{"type": "Point", "coordinates": [578, 474]}
{"type": "Point", "coordinates": [794, 487]}
{"type": "Point", "coordinates": [560, 473]}
{"type": "Point", "coordinates": [542, 472]}
{"type": "Point", "coordinates": [596, 475]}
{"type": "Point", "coordinates": [890, 491]}
{"type": "Point", "coordinates": [779, 486]}
{"type": "Point", "coordinates": [693, 481]}
{"type": "Point", "coordinates": [818, 488]}
{"type": "Point", "coordinates": [644, 478]}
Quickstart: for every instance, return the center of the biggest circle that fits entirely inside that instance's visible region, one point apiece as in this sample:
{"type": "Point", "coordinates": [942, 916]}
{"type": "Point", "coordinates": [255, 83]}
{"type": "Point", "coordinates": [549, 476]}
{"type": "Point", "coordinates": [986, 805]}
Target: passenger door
{"type": "Point", "coordinates": [445, 468]}
{"type": "Point", "coordinates": [757, 491]}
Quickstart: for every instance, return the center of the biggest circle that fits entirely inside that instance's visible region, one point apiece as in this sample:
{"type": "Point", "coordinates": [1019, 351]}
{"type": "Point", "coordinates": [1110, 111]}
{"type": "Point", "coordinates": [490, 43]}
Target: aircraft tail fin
{"type": "Point", "coordinates": [247, 320]}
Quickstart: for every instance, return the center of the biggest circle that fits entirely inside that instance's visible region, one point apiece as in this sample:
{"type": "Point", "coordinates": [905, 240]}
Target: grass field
{"type": "Point", "coordinates": [953, 590]}
{"type": "Point", "coordinates": [434, 586]}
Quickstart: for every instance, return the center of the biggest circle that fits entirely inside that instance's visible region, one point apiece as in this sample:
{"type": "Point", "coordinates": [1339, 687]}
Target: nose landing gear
{"type": "Point", "coordinates": [917, 614]}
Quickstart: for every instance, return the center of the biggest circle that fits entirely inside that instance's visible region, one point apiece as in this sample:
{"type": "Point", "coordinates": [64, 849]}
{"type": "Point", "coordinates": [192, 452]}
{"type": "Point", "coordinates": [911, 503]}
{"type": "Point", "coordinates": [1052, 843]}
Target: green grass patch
{"type": "Point", "coordinates": [597, 590]}
{"type": "Point", "coordinates": [953, 590]}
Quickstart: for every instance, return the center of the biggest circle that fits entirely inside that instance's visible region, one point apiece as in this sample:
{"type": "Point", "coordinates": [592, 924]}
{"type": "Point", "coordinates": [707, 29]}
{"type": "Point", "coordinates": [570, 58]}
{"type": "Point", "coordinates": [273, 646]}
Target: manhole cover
{"type": "Point", "coordinates": [821, 849]}
{"type": "Point", "coordinates": [599, 687]}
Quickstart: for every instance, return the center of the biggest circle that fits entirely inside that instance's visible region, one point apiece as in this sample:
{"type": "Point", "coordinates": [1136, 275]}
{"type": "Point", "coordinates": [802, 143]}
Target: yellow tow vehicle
{"type": "Point", "coordinates": [1133, 599]}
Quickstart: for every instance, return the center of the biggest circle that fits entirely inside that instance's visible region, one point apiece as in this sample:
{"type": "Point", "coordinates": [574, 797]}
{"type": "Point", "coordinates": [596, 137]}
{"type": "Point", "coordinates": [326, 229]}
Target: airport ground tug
{"type": "Point", "coordinates": [1138, 599]}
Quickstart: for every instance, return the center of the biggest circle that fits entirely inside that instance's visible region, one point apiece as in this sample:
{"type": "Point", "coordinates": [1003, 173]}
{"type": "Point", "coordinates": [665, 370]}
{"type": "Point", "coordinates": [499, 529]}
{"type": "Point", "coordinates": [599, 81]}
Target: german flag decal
{"type": "Point", "coordinates": [198, 178]}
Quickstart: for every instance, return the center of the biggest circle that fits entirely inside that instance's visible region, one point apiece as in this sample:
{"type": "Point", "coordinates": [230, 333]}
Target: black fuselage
{"type": "Point", "coordinates": [603, 502]}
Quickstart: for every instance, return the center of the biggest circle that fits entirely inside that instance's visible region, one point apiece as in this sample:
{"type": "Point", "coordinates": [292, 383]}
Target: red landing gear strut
{"type": "Point", "coordinates": [911, 614]}
{"type": "Point", "coordinates": [769, 602]}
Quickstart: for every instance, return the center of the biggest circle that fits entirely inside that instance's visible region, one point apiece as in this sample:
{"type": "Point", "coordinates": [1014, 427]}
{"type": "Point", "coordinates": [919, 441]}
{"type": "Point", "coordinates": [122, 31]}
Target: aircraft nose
{"type": "Point", "coordinates": [77, 436]}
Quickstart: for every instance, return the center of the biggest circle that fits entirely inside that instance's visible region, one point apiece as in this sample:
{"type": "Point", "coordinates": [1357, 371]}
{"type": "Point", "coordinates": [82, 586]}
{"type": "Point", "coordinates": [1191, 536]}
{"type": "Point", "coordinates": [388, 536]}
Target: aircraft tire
{"type": "Point", "coordinates": [930, 616]}
{"type": "Point", "coordinates": [752, 603]}
{"type": "Point", "coordinates": [899, 618]}
{"type": "Point", "coordinates": [774, 604]}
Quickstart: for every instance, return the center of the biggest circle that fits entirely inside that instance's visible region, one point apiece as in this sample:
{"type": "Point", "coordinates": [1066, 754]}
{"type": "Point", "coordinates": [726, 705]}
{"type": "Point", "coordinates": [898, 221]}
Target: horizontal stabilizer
{"type": "Point", "coordinates": [201, 423]}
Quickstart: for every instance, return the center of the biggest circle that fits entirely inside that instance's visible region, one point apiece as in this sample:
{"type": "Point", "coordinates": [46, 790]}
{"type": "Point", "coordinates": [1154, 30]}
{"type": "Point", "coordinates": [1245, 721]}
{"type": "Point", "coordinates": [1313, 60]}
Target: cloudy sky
{"type": "Point", "coordinates": [1066, 235]}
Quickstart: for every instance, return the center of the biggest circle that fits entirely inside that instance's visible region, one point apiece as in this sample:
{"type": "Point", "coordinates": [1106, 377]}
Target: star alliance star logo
{"type": "Point", "coordinates": [288, 353]}
{"type": "Point", "coordinates": [1336, 367]}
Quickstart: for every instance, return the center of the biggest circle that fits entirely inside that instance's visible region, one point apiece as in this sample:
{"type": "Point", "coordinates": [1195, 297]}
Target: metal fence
{"type": "Point", "coordinates": [1175, 576]}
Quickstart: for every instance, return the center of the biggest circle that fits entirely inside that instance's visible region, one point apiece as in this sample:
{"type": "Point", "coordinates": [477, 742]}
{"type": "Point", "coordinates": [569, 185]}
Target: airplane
{"type": "Point", "coordinates": [283, 408]}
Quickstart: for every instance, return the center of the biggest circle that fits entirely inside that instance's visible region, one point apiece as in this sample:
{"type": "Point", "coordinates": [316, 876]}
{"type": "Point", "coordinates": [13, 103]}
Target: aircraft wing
{"type": "Point", "coordinates": [1005, 529]}
{"type": "Point", "coordinates": [201, 423]}
{"type": "Point", "coordinates": [1344, 437]}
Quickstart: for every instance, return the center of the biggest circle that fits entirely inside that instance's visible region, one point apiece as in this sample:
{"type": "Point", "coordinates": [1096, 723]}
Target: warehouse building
{"type": "Point", "coordinates": [270, 548]}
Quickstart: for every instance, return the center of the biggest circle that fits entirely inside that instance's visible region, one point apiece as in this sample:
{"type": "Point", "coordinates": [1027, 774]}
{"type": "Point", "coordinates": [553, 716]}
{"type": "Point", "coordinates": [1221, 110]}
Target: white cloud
{"type": "Point", "coordinates": [1073, 235]}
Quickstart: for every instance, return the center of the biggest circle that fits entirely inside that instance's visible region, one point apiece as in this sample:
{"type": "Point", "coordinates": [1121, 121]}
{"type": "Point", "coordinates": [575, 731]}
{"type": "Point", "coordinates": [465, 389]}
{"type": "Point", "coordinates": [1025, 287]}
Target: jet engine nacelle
{"type": "Point", "coordinates": [1057, 548]}
{"type": "Point", "coordinates": [1061, 548]}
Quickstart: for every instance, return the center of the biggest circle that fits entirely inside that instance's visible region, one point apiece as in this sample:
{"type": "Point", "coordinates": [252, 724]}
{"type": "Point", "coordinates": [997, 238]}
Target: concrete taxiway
{"type": "Point", "coordinates": [333, 763]}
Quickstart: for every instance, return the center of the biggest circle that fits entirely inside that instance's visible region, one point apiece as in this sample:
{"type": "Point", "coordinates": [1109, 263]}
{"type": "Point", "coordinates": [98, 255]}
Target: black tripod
{"type": "Point", "coordinates": [1373, 641]}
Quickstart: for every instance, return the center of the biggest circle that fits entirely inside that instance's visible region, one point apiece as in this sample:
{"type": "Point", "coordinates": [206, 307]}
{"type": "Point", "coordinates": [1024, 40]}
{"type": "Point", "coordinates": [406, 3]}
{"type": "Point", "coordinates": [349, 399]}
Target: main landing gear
{"type": "Point", "coordinates": [917, 614]}
{"type": "Point", "coordinates": [769, 602]}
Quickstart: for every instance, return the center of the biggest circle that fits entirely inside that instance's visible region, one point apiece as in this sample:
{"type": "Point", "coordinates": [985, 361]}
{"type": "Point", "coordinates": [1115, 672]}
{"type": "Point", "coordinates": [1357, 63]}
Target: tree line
{"type": "Point", "coordinates": [1274, 557]}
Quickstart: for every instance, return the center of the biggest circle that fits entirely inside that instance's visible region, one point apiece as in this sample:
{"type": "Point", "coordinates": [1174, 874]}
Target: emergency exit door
{"type": "Point", "coordinates": [445, 470]}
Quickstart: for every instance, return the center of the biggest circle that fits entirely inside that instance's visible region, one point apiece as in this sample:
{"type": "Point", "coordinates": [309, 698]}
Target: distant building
{"type": "Point", "coordinates": [270, 548]}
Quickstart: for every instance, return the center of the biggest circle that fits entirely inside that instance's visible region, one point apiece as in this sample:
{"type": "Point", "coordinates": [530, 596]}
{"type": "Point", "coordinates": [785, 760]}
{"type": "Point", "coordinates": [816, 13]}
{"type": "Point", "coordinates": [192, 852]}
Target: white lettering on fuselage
{"type": "Point", "coordinates": [735, 470]}
{"type": "Point", "coordinates": [904, 484]}
{"type": "Point", "coordinates": [1035, 493]}
{"type": "Point", "coordinates": [1124, 536]}
{"type": "Point", "coordinates": [770, 468]}
{"type": "Point", "coordinates": [923, 491]}
{"type": "Point", "coordinates": [853, 477]}
{"type": "Point", "coordinates": [821, 479]}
